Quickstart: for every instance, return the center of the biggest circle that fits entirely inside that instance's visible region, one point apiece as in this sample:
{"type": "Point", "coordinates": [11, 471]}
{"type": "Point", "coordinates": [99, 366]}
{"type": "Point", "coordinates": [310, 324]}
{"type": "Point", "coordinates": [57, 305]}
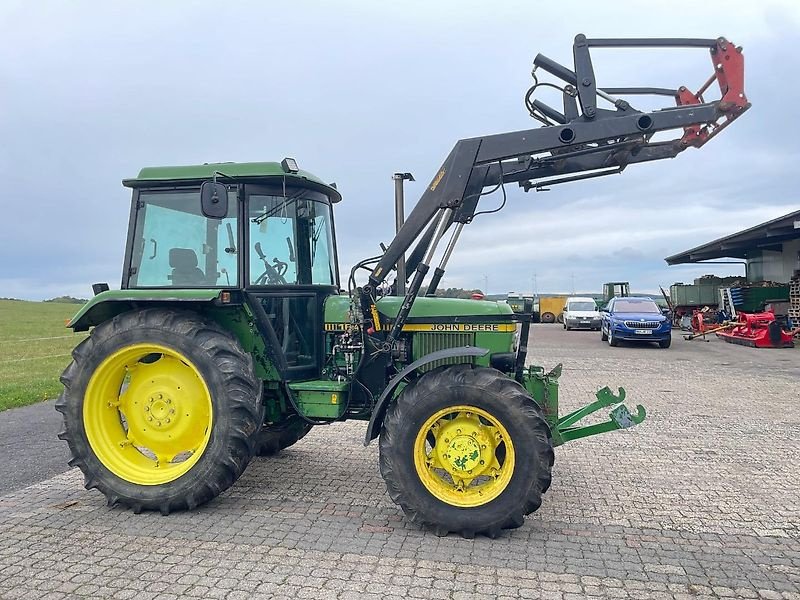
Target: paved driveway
{"type": "Point", "coordinates": [703, 499]}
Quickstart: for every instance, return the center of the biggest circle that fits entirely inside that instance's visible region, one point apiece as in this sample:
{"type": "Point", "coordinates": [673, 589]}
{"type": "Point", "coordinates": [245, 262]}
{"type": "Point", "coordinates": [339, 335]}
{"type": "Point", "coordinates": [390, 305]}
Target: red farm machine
{"type": "Point", "coordinates": [757, 330]}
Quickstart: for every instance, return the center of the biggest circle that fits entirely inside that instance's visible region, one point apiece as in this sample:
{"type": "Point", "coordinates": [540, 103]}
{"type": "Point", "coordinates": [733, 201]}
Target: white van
{"type": "Point", "coordinates": [580, 312]}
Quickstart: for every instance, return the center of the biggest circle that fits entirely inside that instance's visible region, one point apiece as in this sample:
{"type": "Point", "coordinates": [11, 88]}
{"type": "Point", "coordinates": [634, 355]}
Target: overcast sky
{"type": "Point", "coordinates": [91, 92]}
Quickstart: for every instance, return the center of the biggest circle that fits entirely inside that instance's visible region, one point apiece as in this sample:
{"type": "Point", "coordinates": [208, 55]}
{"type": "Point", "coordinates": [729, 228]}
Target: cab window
{"type": "Point", "coordinates": [175, 245]}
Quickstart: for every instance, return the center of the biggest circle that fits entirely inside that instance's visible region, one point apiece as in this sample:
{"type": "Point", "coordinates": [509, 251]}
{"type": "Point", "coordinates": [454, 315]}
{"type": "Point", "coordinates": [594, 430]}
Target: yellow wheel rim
{"type": "Point", "coordinates": [147, 414]}
{"type": "Point", "coordinates": [464, 456]}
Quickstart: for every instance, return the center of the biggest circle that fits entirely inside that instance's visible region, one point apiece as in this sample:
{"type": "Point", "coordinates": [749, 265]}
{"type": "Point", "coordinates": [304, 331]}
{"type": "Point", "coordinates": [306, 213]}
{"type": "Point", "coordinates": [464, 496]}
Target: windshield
{"type": "Point", "coordinates": [630, 306]}
{"type": "Point", "coordinates": [291, 238]}
{"type": "Point", "coordinates": [585, 306]}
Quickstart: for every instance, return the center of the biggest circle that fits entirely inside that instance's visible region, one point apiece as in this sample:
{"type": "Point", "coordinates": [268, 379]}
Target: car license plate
{"type": "Point", "coordinates": [644, 332]}
{"type": "Point", "coordinates": [584, 320]}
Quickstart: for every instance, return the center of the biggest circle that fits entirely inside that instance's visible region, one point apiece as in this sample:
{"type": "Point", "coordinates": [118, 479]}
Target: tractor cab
{"type": "Point", "coordinates": [265, 228]}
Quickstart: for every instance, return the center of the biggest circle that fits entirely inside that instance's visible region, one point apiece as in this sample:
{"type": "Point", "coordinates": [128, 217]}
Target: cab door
{"type": "Point", "coordinates": [290, 271]}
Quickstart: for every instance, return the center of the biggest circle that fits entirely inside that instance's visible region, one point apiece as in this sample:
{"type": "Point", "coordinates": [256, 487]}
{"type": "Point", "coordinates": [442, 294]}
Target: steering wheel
{"type": "Point", "coordinates": [272, 275]}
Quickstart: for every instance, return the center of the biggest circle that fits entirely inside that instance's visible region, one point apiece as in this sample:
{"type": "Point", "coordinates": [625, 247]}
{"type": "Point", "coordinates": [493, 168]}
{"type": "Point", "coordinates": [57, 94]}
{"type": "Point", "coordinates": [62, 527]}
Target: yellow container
{"type": "Point", "coordinates": [551, 308]}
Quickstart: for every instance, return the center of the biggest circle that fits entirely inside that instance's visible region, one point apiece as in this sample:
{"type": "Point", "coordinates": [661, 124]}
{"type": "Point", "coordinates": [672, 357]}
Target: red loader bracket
{"type": "Point", "coordinates": [728, 63]}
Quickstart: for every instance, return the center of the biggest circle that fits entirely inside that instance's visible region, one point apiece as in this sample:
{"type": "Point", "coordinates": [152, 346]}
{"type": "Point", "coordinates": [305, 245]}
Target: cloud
{"type": "Point", "coordinates": [356, 91]}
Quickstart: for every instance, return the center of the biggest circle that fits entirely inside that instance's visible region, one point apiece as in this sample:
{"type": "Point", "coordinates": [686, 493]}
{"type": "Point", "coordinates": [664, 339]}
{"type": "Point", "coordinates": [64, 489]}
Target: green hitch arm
{"type": "Point", "coordinates": [619, 418]}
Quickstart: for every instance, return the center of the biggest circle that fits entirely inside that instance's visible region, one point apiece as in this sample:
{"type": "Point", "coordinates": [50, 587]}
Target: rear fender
{"type": "Point", "coordinates": [107, 305]}
{"type": "Point", "coordinates": [226, 307]}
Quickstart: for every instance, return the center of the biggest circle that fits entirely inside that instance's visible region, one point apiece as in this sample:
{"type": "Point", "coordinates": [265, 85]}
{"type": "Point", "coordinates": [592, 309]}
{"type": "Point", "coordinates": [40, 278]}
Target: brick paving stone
{"type": "Point", "coordinates": [699, 501]}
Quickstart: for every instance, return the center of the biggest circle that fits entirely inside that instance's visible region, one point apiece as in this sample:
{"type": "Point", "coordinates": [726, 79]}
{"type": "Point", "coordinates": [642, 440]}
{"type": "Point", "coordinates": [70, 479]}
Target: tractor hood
{"type": "Point", "coordinates": [440, 310]}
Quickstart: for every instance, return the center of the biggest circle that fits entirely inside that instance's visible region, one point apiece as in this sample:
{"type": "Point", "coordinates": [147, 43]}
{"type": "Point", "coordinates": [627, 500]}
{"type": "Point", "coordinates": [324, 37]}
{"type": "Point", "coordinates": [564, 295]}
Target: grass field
{"type": "Point", "coordinates": [35, 347]}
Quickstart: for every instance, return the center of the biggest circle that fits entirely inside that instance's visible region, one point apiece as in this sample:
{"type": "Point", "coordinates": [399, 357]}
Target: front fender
{"type": "Point", "coordinates": [378, 414]}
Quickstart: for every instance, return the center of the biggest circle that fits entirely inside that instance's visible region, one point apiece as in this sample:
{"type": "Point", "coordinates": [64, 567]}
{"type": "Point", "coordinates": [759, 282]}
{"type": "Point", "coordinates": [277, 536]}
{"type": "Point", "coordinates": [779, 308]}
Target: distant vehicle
{"type": "Point", "coordinates": [551, 308]}
{"type": "Point", "coordinates": [615, 289]}
{"type": "Point", "coordinates": [517, 303]}
{"type": "Point", "coordinates": [635, 319]}
{"type": "Point", "coordinates": [581, 312]}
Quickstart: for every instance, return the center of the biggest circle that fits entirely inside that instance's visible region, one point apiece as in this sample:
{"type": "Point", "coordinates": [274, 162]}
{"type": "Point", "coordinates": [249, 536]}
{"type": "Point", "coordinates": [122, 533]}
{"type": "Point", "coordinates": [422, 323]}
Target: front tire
{"type": "Point", "coordinates": [665, 343]}
{"type": "Point", "coordinates": [612, 341]}
{"type": "Point", "coordinates": [466, 450]}
{"type": "Point", "coordinates": [160, 409]}
{"type": "Point", "coordinates": [548, 317]}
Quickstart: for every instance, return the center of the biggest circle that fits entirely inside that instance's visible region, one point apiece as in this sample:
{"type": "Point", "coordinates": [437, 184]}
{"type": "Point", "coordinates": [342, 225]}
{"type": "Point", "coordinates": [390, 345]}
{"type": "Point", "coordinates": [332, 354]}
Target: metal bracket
{"type": "Point", "coordinates": [619, 418]}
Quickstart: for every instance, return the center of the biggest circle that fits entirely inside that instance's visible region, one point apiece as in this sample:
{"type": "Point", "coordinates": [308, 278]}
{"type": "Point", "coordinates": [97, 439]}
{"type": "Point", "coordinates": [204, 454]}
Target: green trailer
{"type": "Point", "coordinates": [682, 295]}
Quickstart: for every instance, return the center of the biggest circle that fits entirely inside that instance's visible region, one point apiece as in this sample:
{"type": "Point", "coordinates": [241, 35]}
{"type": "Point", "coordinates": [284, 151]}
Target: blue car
{"type": "Point", "coordinates": [635, 320]}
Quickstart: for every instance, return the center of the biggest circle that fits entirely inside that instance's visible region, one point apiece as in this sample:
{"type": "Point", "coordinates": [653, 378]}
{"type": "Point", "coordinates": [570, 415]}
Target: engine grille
{"type": "Point", "coordinates": [642, 324]}
{"type": "Point", "coordinates": [425, 343]}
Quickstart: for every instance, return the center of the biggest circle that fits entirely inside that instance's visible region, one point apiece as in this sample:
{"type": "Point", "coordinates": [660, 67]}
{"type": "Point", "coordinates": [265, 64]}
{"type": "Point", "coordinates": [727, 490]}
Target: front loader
{"type": "Point", "coordinates": [231, 335]}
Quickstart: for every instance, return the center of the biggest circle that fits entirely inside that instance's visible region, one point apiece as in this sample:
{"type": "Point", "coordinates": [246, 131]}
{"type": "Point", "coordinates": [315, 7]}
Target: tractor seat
{"type": "Point", "coordinates": [184, 267]}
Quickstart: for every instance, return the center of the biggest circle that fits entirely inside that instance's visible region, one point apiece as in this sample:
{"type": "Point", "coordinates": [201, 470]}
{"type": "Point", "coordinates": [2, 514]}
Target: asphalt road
{"type": "Point", "coordinates": [29, 448]}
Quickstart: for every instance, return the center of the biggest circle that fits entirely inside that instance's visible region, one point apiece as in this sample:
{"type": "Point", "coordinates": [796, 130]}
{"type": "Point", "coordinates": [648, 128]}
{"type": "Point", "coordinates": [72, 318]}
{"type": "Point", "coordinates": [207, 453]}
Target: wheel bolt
{"type": "Point", "coordinates": [483, 462]}
{"type": "Point", "coordinates": [458, 431]}
{"type": "Point", "coordinates": [169, 400]}
{"type": "Point", "coordinates": [149, 418]}
{"type": "Point", "coordinates": [167, 419]}
{"type": "Point", "coordinates": [147, 408]}
{"type": "Point", "coordinates": [159, 423]}
{"type": "Point", "coordinates": [160, 396]}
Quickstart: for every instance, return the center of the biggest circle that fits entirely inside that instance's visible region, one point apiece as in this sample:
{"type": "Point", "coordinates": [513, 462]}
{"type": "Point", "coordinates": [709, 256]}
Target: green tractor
{"type": "Point", "coordinates": [231, 335]}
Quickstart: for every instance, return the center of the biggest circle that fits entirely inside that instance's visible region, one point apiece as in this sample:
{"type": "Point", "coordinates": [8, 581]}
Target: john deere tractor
{"type": "Point", "coordinates": [232, 334]}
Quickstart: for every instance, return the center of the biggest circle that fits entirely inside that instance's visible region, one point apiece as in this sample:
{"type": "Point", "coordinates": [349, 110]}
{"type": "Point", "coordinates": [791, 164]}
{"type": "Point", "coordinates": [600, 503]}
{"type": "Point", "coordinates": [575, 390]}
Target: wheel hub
{"type": "Point", "coordinates": [160, 409]}
{"type": "Point", "coordinates": [463, 454]}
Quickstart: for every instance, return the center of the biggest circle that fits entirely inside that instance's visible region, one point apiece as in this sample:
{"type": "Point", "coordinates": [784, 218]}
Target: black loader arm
{"type": "Point", "coordinates": [583, 141]}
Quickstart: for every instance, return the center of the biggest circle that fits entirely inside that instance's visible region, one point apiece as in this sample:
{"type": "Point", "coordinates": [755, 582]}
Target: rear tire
{"type": "Point", "coordinates": [482, 402]}
{"type": "Point", "coordinates": [548, 317]}
{"type": "Point", "coordinates": [603, 336]}
{"type": "Point", "coordinates": [274, 438]}
{"type": "Point", "coordinates": [194, 395]}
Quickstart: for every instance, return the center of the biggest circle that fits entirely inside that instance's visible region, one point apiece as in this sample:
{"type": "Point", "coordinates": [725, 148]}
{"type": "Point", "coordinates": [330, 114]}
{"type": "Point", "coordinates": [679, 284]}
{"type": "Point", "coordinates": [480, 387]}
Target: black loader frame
{"type": "Point", "coordinates": [582, 142]}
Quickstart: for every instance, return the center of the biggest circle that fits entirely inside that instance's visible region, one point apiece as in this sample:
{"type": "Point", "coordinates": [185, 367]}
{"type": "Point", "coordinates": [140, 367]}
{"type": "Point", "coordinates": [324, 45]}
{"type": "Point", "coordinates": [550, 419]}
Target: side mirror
{"type": "Point", "coordinates": [214, 199]}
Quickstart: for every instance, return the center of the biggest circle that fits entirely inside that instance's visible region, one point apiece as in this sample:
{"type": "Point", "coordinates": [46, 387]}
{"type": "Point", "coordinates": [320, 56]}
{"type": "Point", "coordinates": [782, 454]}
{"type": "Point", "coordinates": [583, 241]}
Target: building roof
{"type": "Point", "coordinates": [149, 176]}
{"type": "Point", "coordinates": [767, 236]}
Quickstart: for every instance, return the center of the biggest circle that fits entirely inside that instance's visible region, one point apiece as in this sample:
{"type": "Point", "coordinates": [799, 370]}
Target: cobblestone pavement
{"type": "Point", "coordinates": [703, 499]}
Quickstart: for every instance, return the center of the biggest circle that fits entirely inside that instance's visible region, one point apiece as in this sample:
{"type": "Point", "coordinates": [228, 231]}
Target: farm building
{"type": "Point", "coordinates": [771, 250]}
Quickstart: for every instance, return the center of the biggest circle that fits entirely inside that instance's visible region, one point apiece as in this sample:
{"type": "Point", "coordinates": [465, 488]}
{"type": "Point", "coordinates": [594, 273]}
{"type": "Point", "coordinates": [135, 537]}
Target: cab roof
{"type": "Point", "coordinates": [228, 172]}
